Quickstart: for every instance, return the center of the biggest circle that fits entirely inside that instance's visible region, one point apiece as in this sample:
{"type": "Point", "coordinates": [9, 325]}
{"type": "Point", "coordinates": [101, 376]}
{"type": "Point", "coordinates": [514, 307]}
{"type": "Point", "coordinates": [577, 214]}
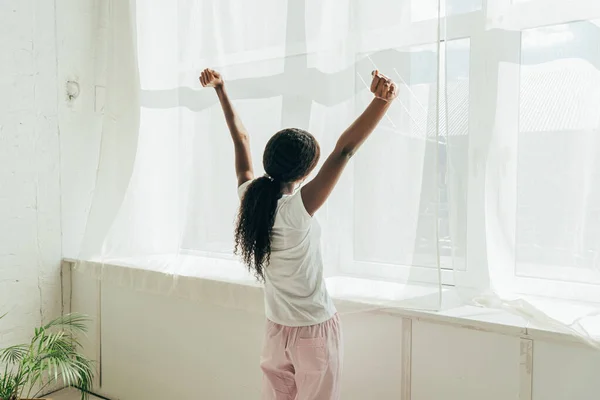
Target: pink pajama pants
{"type": "Point", "coordinates": [302, 363]}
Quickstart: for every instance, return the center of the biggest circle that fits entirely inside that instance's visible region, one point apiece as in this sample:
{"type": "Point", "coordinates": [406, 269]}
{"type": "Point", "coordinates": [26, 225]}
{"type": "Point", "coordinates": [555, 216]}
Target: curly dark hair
{"type": "Point", "coordinates": [290, 155]}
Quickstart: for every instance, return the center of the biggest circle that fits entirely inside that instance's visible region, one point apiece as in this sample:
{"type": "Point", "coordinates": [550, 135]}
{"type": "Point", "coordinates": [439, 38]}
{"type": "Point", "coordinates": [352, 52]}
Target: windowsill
{"type": "Point", "coordinates": [227, 283]}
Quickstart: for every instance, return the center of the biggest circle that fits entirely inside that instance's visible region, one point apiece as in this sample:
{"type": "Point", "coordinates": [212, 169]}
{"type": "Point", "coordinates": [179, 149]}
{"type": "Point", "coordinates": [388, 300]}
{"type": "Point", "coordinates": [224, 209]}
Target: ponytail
{"type": "Point", "coordinates": [289, 156]}
{"type": "Point", "coordinates": [255, 224]}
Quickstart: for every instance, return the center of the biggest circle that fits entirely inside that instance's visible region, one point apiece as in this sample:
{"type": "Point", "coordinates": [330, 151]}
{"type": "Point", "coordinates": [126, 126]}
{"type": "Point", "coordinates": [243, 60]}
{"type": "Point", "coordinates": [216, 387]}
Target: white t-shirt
{"type": "Point", "coordinates": [295, 291]}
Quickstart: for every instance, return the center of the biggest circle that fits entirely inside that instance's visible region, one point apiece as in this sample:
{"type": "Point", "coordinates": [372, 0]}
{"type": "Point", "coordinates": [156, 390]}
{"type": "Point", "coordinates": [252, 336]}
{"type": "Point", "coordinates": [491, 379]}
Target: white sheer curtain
{"type": "Point", "coordinates": [483, 178]}
{"type": "Point", "coordinates": [528, 176]}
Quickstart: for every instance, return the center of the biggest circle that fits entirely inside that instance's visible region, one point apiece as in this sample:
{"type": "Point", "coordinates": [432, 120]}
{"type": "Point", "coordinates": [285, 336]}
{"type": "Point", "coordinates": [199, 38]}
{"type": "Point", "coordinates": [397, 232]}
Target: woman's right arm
{"type": "Point", "coordinates": [316, 192]}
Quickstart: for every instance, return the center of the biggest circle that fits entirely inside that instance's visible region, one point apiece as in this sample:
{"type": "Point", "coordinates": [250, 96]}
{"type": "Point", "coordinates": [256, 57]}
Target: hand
{"type": "Point", "coordinates": [211, 78]}
{"type": "Point", "coordinates": [383, 87]}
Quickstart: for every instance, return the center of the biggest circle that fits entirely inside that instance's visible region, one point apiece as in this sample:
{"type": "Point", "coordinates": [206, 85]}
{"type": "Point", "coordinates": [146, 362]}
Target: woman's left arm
{"type": "Point", "coordinates": [239, 135]}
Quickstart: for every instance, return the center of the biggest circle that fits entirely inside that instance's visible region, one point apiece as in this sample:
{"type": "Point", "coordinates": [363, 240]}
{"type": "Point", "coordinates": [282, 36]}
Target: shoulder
{"type": "Point", "coordinates": [293, 212]}
{"type": "Point", "coordinates": [243, 188]}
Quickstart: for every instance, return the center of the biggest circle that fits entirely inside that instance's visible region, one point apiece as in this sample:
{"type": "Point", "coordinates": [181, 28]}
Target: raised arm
{"type": "Point", "coordinates": [239, 135]}
{"type": "Point", "coordinates": [316, 192]}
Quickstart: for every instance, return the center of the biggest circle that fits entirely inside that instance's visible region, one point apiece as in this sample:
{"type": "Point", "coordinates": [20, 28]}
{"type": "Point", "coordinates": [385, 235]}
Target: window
{"type": "Point", "coordinates": [398, 229]}
{"type": "Point", "coordinates": [396, 199]}
{"type": "Point", "coordinates": [496, 174]}
{"type": "Point", "coordinates": [558, 225]}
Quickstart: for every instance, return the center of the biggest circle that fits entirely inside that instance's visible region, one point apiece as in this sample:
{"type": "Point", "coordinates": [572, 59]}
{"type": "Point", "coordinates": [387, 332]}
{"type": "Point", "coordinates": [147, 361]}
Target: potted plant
{"type": "Point", "coordinates": [52, 356]}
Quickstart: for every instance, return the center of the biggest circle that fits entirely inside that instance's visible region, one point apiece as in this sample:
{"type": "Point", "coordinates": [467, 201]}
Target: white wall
{"type": "Point", "coordinates": [81, 59]}
{"type": "Point", "coordinates": [30, 226]}
{"type": "Point", "coordinates": [48, 151]}
{"type": "Point", "coordinates": [155, 346]}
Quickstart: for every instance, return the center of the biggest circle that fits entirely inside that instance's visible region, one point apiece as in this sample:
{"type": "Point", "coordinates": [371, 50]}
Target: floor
{"type": "Point", "coordinates": [68, 394]}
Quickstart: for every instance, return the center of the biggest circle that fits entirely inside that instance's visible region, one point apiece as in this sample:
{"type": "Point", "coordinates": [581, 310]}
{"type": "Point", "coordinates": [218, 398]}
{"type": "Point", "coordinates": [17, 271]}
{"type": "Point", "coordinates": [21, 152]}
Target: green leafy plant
{"type": "Point", "coordinates": [51, 356]}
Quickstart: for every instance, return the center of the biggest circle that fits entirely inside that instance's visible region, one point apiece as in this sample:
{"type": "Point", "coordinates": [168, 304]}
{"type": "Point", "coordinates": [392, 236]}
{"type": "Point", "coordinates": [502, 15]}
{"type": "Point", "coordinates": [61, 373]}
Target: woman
{"type": "Point", "coordinates": [279, 241]}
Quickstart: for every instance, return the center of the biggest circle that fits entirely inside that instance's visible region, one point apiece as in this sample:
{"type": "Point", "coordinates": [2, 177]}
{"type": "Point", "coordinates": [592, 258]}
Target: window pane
{"type": "Point", "coordinates": [558, 215]}
{"type": "Point", "coordinates": [397, 180]}
{"type": "Point", "coordinates": [453, 157]}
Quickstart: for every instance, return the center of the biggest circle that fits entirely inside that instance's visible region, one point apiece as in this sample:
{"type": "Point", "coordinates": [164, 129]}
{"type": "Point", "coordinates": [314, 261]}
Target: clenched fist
{"type": "Point", "coordinates": [211, 78]}
{"type": "Point", "coordinates": [383, 87]}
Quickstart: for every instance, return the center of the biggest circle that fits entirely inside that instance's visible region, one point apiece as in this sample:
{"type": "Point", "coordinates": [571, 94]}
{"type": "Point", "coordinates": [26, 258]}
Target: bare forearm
{"type": "Point", "coordinates": [361, 129]}
{"type": "Point", "coordinates": [241, 144]}
{"type": "Point", "coordinates": [318, 190]}
{"type": "Point", "coordinates": [234, 123]}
